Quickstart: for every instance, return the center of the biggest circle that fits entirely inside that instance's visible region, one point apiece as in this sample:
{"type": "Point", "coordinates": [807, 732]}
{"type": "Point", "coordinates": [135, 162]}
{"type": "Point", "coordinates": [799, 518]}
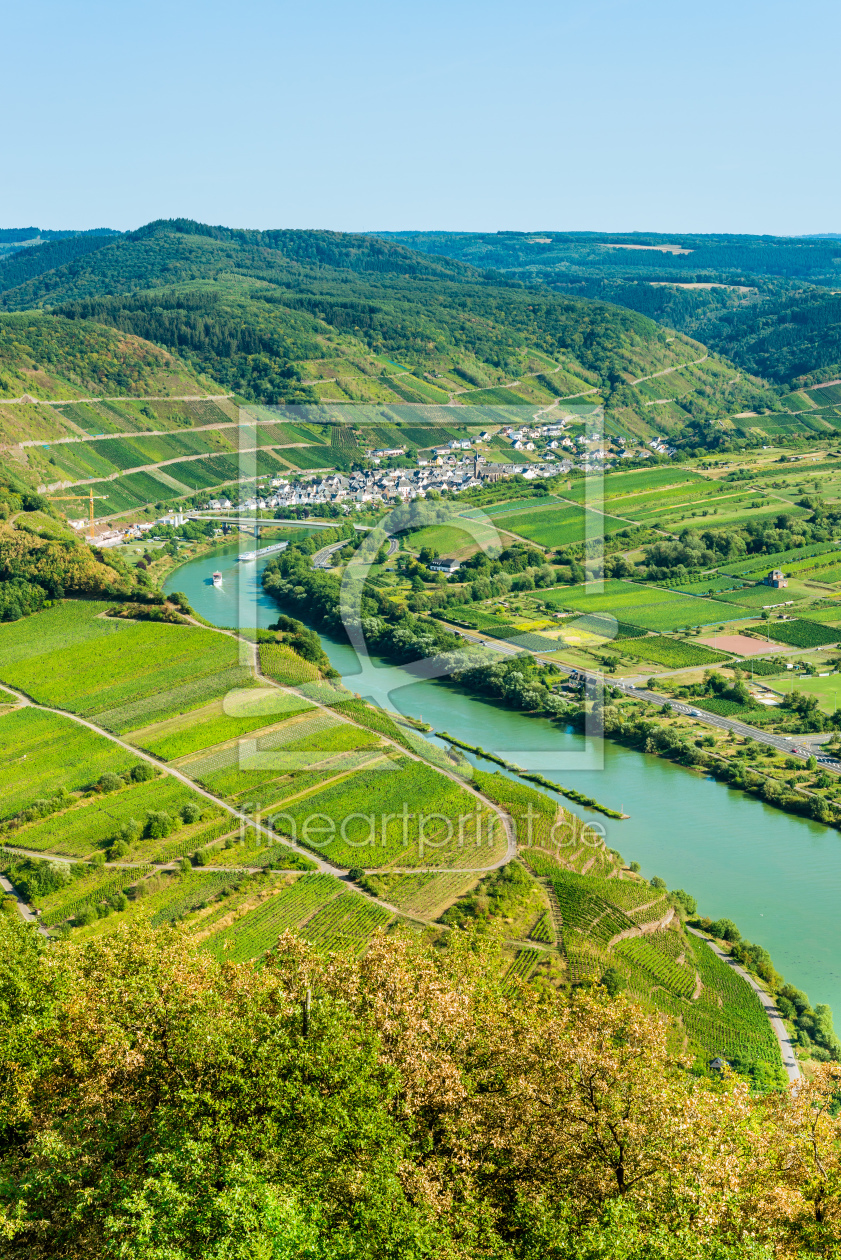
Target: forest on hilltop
{"type": "Point", "coordinates": [271, 315]}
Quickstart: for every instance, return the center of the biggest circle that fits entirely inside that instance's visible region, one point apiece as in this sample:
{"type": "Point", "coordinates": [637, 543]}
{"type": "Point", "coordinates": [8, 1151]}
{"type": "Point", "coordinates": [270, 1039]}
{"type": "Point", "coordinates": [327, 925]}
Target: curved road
{"type": "Point", "coordinates": [790, 1063]}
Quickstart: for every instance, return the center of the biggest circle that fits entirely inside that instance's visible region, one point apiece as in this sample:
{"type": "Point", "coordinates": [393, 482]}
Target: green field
{"type": "Point", "coordinates": [211, 725]}
{"type": "Point", "coordinates": [671, 653]}
{"type": "Point", "coordinates": [802, 634]}
{"type": "Point", "coordinates": [258, 930]}
{"type": "Point", "coordinates": [648, 606]}
{"type": "Point", "coordinates": [713, 585]}
{"type": "Point", "coordinates": [71, 622]}
{"type": "Point", "coordinates": [615, 485]}
{"type": "Point", "coordinates": [828, 690]}
{"type": "Point", "coordinates": [42, 752]}
{"type": "Point", "coordinates": [447, 540]}
{"type": "Point", "coordinates": [363, 823]}
{"type": "Point", "coordinates": [285, 666]}
{"type": "Point", "coordinates": [558, 527]}
{"type": "Point", "coordinates": [764, 596]}
{"type": "Point", "coordinates": [85, 827]}
{"type": "Point", "coordinates": [110, 669]}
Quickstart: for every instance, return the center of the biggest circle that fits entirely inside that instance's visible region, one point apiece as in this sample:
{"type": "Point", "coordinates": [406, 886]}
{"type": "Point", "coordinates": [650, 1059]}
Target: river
{"type": "Point", "coordinates": [776, 875]}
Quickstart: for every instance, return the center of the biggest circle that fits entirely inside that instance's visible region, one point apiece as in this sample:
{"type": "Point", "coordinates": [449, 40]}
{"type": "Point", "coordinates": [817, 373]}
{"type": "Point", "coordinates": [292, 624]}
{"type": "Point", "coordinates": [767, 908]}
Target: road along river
{"type": "Point", "coordinates": [776, 875]}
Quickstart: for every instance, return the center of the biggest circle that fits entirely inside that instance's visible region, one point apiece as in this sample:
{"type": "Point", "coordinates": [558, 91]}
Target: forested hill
{"type": "Point", "coordinates": [768, 303]}
{"type": "Point", "coordinates": [308, 315]}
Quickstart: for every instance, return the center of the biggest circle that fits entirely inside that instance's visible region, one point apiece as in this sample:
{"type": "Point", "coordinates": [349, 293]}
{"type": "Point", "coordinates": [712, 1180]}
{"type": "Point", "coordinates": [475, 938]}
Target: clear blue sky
{"type": "Point", "coordinates": [564, 114]}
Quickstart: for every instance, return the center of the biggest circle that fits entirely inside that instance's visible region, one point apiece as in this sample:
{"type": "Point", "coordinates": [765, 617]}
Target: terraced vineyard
{"type": "Point", "coordinates": [258, 929]}
{"type": "Point", "coordinates": [586, 911]}
{"type": "Point", "coordinates": [345, 924]}
{"type": "Point", "coordinates": [524, 963]}
{"type": "Point", "coordinates": [746, 1032]}
{"type": "Point", "coordinates": [80, 830]}
{"type": "Point", "coordinates": [644, 955]}
{"type": "Point", "coordinates": [58, 754]}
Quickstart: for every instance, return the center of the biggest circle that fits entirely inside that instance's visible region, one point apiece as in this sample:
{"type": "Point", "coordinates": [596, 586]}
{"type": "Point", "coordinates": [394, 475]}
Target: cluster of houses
{"type": "Point", "coordinates": [389, 485]}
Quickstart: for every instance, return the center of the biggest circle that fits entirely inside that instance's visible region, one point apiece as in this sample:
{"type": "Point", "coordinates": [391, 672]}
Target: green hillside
{"type": "Point", "coordinates": [292, 315]}
{"type": "Point", "coordinates": [769, 304]}
{"type": "Point", "coordinates": [52, 357]}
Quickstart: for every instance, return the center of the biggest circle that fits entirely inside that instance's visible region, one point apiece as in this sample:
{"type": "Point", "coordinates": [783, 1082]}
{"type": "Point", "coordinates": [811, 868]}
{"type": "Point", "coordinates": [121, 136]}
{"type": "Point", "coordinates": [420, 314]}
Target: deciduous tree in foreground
{"type": "Point", "coordinates": [159, 1105]}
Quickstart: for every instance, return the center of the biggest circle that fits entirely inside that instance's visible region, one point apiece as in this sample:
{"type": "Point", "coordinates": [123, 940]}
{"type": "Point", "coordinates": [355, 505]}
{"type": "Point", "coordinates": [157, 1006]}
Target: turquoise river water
{"type": "Point", "coordinates": [777, 876]}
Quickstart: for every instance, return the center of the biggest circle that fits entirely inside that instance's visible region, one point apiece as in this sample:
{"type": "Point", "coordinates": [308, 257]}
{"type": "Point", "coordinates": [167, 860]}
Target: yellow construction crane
{"type": "Point", "coordinates": [65, 498]}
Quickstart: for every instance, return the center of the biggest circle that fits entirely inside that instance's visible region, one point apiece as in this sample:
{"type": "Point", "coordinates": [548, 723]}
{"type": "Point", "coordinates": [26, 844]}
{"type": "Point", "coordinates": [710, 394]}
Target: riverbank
{"type": "Point", "coordinates": [778, 875]}
{"type": "Point", "coordinates": [569, 793]}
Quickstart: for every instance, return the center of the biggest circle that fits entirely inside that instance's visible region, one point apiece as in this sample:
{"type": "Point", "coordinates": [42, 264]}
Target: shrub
{"type": "Point", "coordinates": [199, 858]}
{"type": "Point", "coordinates": [725, 930]}
{"type": "Point", "coordinates": [158, 824]}
{"type": "Point", "coordinates": [109, 782]}
{"type": "Point", "coordinates": [142, 772]}
{"type": "Point", "coordinates": [191, 812]}
{"type": "Point", "coordinates": [85, 916]}
{"type": "Point", "coordinates": [685, 901]}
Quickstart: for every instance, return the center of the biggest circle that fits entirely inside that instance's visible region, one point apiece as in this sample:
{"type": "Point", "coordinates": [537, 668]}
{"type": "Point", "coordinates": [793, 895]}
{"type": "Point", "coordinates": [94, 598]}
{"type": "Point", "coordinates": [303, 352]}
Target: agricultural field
{"type": "Point", "coordinates": [801, 634]}
{"type": "Point", "coordinates": [96, 886]}
{"type": "Point", "coordinates": [447, 540]}
{"type": "Point", "coordinates": [424, 895]}
{"type": "Point", "coordinates": [678, 978]}
{"type": "Point", "coordinates": [712, 585]}
{"type": "Point", "coordinates": [616, 485]}
{"type": "Point", "coordinates": [40, 753]}
{"type": "Point", "coordinates": [765, 596]}
{"type": "Point", "coordinates": [650, 607]}
{"type": "Point", "coordinates": [729, 708]}
{"type": "Point", "coordinates": [98, 674]}
{"type": "Point", "coordinates": [298, 743]}
{"type": "Point", "coordinates": [671, 653]}
{"type": "Point", "coordinates": [345, 924]}
{"type": "Point", "coordinates": [286, 907]}
{"type": "Point", "coordinates": [285, 666]}
{"type": "Point", "coordinates": [71, 621]}
{"type": "Point", "coordinates": [757, 567]}
{"type": "Point", "coordinates": [95, 822]}
{"type": "Point", "coordinates": [375, 819]}
{"type": "Point", "coordinates": [212, 724]}
{"type": "Point", "coordinates": [175, 700]}
{"type": "Point", "coordinates": [745, 1032]}
{"type": "Point", "coordinates": [586, 910]}
{"type": "Point", "coordinates": [558, 526]}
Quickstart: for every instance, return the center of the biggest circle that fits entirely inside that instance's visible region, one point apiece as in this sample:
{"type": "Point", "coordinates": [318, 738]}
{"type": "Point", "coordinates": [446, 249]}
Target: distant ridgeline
{"type": "Point", "coordinates": [768, 310]}
{"type": "Point", "coordinates": [325, 316]}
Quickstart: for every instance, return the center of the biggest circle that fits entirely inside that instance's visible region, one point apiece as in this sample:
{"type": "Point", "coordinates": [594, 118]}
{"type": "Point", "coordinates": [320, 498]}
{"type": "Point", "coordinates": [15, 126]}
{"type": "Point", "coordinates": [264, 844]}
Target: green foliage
{"type": "Point", "coordinates": [59, 754]}
{"type": "Point", "coordinates": [108, 669]}
{"type": "Point", "coordinates": [649, 607]}
{"type": "Point", "coordinates": [803, 634]}
{"type": "Point", "coordinates": [672, 653]}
